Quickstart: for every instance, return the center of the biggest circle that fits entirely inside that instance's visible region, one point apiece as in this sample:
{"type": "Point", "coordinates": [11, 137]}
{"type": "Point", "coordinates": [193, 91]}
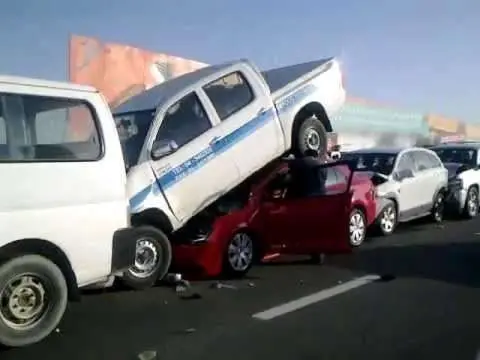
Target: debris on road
{"type": "Point", "coordinates": [148, 355]}
{"type": "Point", "coordinates": [173, 278]}
{"type": "Point", "coordinates": [182, 286]}
{"type": "Point", "coordinates": [219, 285]}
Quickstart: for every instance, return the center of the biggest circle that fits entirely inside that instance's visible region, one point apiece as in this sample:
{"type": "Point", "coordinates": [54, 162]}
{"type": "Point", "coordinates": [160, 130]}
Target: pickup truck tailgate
{"type": "Point", "coordinates": [282, 80]}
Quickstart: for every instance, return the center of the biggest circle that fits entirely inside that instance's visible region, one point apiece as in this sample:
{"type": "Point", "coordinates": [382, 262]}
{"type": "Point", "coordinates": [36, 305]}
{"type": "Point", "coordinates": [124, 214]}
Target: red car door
{"type": "Point", "coordinates": [313, 220]}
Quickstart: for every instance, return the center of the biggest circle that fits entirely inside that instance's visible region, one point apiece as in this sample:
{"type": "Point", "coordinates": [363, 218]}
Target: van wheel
{"type": "Point", "coordinates": [471, 203]}
{"type": "Point", "coordinates": [152, 259]}
{"type": "Point", "coordinates": [438, 208]}
{"type": "Point", "coordinates": [311, 135]}
{"type": "Point", "coordinates": [239, 255]}
{"type": "Point", "coordinates": [33, 299]}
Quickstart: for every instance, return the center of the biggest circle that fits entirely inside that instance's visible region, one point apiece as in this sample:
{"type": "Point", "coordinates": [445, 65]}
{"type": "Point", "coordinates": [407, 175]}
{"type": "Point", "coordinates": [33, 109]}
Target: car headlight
{"type": "Point", "coordinates": [455, 184]}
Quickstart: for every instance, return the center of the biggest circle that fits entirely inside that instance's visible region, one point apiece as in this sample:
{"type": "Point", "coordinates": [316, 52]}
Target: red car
{"type": "Point", "coordinates": [295, 207]}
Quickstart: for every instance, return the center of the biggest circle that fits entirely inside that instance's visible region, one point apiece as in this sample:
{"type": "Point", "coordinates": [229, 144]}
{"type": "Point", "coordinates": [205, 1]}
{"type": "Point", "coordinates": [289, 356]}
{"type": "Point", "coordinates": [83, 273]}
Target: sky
{"type": "Point", "coordinates": [421, 55]}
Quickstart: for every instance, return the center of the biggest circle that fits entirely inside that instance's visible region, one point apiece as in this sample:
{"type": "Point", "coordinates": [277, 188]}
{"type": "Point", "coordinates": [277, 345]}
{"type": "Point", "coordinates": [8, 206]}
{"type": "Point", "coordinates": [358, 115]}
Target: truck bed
{"type": "Point", "coordinates": [283, 80]}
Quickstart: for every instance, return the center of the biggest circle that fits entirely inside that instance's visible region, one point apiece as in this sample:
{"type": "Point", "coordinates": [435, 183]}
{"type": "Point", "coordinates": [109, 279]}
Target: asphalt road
{"type": "Point", "coordinates": [424, 305]}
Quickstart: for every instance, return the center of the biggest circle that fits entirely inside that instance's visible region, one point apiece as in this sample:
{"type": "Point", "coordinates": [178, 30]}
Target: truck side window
{"type": "Point", "coordinates": [184, 121]}
{"type": "Point", "coordinates": [229, 94]}
{"type": "Point", "coordinates": [39, 128]}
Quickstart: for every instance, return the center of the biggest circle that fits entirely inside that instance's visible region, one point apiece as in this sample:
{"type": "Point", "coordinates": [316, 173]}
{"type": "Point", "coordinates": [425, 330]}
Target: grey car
{"type": "Point", "coordinates": [410, 183]}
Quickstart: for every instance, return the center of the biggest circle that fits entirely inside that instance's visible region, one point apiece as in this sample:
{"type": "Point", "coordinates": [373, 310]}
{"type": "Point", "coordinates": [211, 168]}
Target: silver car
{"type": "Point", "coordinates": [410, 183]}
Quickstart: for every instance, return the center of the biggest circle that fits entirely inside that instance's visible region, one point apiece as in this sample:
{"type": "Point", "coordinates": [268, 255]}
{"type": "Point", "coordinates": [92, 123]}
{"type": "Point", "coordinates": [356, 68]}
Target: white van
{"type": "Point", "coordinates": [64, 213]}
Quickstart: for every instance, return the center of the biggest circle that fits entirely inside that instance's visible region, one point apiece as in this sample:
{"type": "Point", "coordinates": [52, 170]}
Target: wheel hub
{"type": "Point", "coordinates": [240, 252]}
{"type": "Point", "coordinates": [146, 258]}
{"type": "Point", "coordinates": [23, 302]}
{"type": "Point", "coordinates": [388, 219]}
{"type": "Point", "coordinates": [357, 229]}
{"type": "Point", "coordinates": [472, 204]}
{"type": "Point", "coordinates": [312, 139]}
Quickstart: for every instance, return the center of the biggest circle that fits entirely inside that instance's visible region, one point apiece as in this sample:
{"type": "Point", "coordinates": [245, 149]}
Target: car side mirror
{"type": "Point", "coordinates": [162, 148]}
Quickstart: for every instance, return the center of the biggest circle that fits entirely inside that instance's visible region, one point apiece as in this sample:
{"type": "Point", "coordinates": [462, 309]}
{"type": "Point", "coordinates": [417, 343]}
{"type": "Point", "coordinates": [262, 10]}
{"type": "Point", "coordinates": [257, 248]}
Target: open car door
{"type": "Point", "coordinates": [312, 215]}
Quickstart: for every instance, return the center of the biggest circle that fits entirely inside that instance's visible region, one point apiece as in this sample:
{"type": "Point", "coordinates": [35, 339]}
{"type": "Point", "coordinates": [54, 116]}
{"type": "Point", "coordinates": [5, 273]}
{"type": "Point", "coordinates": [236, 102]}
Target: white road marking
{"type": "Point", "coordinates": [313, 298]}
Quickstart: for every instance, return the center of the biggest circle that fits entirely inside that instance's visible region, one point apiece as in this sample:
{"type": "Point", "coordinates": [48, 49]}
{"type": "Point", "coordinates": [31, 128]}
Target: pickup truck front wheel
{"type": "Point", "coordinates": [152, 259]}
{"type": "Point", "coordinates": [310, 135]}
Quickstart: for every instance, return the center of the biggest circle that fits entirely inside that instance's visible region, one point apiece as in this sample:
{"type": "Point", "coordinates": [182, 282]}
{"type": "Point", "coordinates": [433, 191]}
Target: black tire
{"type": "Point", "coordinates": [35, 278]}
{"type": "Point", "coordinates": [154, 246]}
{"type": "Point", "coordinates": [438, 208]}
{"type": "Point", "coordinates": [387, 219]}
{"type": "Point", "coordinates": [310, 132]}
{"type": "Point", "coordinates": [470, 210]}
{"type": "Point", "coordinates": [230, 267]}
{"type": "Point", "coordinates": [357, 231]}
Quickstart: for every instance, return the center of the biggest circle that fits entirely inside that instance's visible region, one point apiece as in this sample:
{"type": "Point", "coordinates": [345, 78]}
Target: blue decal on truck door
{"type": "Point", "coordinates": [176, 174]}
{"type": "Point", "coordinates": [292, 99]}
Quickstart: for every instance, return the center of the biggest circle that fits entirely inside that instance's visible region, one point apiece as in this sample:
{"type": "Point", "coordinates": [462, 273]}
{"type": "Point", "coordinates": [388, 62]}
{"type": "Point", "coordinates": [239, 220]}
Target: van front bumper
{"type": "Point", "coordinates": [123, 249]}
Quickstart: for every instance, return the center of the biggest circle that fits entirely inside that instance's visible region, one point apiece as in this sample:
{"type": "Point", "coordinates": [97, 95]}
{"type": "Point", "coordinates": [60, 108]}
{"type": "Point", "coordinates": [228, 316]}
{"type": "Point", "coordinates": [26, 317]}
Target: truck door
{"type": "Point", "coordinates": [186, 167]}
{"type": "Point", "coordinates": [248, 128]}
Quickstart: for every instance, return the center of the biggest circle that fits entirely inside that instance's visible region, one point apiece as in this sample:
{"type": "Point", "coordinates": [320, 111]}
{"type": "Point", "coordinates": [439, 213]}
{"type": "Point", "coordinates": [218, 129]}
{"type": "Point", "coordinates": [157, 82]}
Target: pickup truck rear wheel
{"type": "Point", "coordinates": [152, 259]}
{"type": "Point", "coordinates": [311, 135]}
{"type": "Point", "coordinates": [33, 299]}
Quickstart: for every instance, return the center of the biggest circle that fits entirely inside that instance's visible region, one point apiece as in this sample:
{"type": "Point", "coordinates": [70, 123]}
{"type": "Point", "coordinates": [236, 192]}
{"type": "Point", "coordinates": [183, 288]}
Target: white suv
{"type": "Point", "coordinates": [462, 160]}
{"type": "Point", "coordinates": [410, 183]}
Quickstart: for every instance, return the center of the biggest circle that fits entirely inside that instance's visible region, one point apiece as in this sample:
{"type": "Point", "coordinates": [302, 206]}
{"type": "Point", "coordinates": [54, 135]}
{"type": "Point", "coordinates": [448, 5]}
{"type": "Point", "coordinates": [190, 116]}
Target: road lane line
{"type": "Point", "coordinates": [314, 298]}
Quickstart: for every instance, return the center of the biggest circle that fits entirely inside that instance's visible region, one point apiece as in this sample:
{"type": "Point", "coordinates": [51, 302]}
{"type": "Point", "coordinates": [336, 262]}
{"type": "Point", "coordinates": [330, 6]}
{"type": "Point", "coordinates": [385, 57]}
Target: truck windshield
{"type": "Point", "coordinates": [132, 129]}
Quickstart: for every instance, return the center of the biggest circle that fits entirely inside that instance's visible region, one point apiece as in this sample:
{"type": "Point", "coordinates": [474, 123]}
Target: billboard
{"type": "Point", "coordinates": [121, 71]}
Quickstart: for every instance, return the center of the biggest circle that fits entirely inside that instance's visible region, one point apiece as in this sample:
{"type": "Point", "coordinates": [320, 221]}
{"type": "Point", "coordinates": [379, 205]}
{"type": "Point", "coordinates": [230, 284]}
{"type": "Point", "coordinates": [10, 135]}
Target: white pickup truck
{"type": "Point", "coordinates": [64, 217]}
{"type": "Point", "coordinates": [191, 140]}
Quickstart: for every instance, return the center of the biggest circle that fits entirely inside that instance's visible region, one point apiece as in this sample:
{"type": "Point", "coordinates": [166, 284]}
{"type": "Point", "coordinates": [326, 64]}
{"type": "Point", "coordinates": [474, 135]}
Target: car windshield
{"type": "Point", "coordinates": [132, 129]}
{"type": "Point", "coordinates": [376, 162]}
{"type": "Point", "coordinates": [457, 155]}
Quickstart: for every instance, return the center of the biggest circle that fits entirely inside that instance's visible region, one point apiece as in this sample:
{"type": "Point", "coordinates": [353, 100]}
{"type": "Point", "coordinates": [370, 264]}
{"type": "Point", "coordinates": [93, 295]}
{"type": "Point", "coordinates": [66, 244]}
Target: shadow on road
{"type": "Point", "coordinates": [456, 263]}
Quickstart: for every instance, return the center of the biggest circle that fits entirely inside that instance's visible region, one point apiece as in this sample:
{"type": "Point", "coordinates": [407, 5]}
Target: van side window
{"type": "Point", "coordinates": [184, 121]}
{"type": "Point", "coordinates": [44, 129]}
{"type": "Point", "coordinates": [229, 94]}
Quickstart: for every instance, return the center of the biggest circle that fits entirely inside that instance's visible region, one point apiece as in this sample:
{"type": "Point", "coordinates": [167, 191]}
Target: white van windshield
{"type": "Point", "coordinates": [132, 129]}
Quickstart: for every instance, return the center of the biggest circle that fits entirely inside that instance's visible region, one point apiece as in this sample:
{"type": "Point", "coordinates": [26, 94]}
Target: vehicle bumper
{"type": "Point", "coordinates": [200, 259]}
{"type": "Point", "coordinates": [455, 200]}
{"type": "Point", "coordinates": [205, 259]}
{"type": "Point", "coordinates": [123, 249]}
{"type": "Point", "coordinates": [381, 202]}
